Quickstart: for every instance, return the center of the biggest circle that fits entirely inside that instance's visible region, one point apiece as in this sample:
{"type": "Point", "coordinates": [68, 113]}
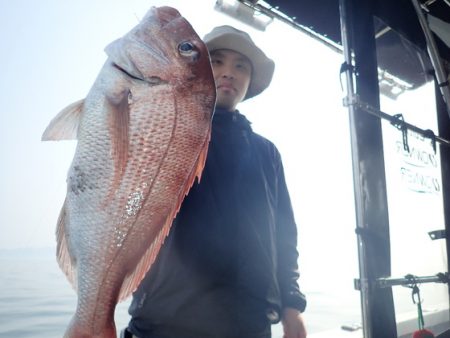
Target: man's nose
{"type": "Point", "coordinates": [228, 73]}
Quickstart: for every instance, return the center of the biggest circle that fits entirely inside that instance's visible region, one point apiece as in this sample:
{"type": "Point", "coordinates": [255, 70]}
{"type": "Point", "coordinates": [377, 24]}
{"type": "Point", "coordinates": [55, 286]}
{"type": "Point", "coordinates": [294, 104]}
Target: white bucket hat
{"type": "Point", "coordinates": [227, 37]}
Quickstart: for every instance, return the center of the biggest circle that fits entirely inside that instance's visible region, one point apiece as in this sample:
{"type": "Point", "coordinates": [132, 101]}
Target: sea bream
{"type": "Point", "coordinates": [143, 133]}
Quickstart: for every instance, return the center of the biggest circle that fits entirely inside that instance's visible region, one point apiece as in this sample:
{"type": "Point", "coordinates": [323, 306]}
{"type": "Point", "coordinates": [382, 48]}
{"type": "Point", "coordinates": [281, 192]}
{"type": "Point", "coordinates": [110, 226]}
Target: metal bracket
{"type": "Point", "coordinates": [360, 284]}
{"type": "Point", "coordinates": [438, 234]}
{"type": "Point", "coordinates": [350, 100]}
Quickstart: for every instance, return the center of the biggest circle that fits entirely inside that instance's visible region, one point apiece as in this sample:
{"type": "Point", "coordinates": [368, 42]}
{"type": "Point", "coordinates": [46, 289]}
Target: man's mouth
{"type": "Point", "coordinates": [226, 86]}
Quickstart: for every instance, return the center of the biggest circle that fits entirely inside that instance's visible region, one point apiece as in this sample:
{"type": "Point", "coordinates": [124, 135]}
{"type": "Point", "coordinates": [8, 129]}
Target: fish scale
{"type": "Point", "coordinates": [143, 133]}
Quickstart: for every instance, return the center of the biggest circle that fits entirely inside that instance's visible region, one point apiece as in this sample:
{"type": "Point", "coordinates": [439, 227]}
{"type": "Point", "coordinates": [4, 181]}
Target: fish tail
{"type": "Point", "coordinates": [77, 330]}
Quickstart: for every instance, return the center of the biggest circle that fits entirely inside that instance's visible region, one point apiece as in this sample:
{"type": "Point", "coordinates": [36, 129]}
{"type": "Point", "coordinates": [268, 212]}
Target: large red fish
{"type": "Point", "coordinates": [143, 133]}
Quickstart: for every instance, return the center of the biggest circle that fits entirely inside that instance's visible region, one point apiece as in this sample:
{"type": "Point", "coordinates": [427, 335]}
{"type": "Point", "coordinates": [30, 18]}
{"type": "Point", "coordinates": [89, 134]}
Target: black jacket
{"type": "Point", "coordinates": [229, 264]}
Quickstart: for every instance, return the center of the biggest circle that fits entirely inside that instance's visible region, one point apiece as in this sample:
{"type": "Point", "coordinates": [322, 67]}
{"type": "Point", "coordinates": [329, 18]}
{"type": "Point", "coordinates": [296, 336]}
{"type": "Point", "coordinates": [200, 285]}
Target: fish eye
{"type": "Point", "coordinates": [186, 48]}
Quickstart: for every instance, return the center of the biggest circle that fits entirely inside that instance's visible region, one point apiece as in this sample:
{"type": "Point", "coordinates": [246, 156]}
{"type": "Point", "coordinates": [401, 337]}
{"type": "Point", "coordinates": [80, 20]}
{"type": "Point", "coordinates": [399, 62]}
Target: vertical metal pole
{"type": "Point", "coordinates": [346, 39]}
{"type": "Point", "coordinates": [433, 53]}
{"type": "Point", "coordinates": [443, 113]}
{"type": "Point", "coordinates": [358, 36]}
{"type": "Point", "coordinates": [444, 131]}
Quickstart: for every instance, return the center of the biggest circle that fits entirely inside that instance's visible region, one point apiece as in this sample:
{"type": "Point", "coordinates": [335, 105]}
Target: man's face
{"type": "Point", "coordinates": [232, 74]}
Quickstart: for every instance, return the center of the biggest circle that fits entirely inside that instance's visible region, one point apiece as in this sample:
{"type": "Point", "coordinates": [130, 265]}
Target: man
{"type": "Point", "coordinates": [228, 268]}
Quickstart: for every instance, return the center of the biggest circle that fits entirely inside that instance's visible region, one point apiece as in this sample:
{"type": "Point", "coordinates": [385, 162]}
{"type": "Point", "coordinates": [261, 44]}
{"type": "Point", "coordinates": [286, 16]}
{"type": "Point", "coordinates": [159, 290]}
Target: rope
{"type": "Point", "coordinates": [422, 332]}
{"type": "Point", "coordinates": [416, 292]}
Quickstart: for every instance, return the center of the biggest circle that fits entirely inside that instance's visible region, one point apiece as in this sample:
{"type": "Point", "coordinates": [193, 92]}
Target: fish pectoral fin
{"type": "Point", "coordinates": [64, 126]}
{"type": "Point", "coordinates": [119, 122]}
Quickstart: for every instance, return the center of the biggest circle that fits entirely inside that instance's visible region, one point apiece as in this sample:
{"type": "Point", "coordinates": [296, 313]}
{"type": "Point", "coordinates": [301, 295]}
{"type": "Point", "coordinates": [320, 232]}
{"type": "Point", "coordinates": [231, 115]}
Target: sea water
{"type": "Point", "coordinates": [36, 300]}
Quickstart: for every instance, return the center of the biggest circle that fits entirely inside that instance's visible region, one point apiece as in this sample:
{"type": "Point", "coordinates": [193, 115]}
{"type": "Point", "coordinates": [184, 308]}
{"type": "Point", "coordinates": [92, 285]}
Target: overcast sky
{"type": "Point", "coordinates": [52, 52]}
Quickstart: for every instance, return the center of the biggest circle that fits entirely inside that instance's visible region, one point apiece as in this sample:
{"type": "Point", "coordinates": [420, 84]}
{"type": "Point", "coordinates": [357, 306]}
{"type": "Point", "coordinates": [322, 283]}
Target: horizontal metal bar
{"type": "Point", "coordinates": [411, 280]}
{"type": "Point", "coordinates": [395, 120]}
{"type": "Point", "coordinates": [275, 13]}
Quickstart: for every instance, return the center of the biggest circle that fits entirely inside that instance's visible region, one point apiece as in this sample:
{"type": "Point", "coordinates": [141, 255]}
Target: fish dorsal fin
{"type": "Point", "coordinates": [63, 256]}
{"type": "Point", "coordinates": [64, 126]}
{"type": "Point", "coordinates": [132, 281]}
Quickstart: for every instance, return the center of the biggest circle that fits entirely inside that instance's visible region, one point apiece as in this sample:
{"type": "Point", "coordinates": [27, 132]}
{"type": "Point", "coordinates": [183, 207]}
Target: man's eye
{"type": "Point", "coordinates": [242, 66]}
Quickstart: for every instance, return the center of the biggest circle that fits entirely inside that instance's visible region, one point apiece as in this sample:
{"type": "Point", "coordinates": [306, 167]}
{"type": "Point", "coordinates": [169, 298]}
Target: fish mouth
{"type": "Point", "coordinates": [115, 65]}
{"type": "Point", "coordinates": [153, 80]}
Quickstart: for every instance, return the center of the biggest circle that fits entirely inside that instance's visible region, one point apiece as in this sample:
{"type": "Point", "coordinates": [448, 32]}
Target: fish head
{"type": "Point", "coordinates": [164, 49]}
{"type": "Point", "coordinates": [158, 79]}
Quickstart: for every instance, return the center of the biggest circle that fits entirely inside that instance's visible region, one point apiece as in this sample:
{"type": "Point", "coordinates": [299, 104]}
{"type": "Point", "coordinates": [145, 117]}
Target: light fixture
{"type": "Point", "coordinates": [390, 85]}
{"type": "Point", "coordinates": [246, 14]}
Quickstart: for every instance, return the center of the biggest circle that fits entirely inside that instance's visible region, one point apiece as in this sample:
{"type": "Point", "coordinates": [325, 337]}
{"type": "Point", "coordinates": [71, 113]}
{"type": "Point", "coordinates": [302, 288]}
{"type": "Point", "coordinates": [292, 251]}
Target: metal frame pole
{"type": "Point", "coordinates": [440, 73]}
{"type": "Point", "coordinates": [349, 80]}
{"type": "Point", "coordinates": [358, 38]}
{"type": "Point", "coordinates": [444, 130]}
